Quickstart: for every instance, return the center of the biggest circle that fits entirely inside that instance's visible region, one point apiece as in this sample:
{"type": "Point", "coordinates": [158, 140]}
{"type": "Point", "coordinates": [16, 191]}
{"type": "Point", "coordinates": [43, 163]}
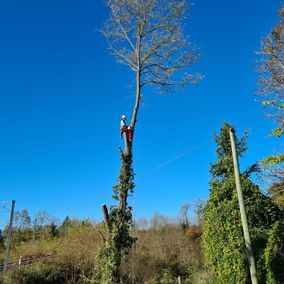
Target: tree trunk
{"type": "Point", "coordinates": [138, 84]}
{"type": "Point", "coordinates": [128, 144]}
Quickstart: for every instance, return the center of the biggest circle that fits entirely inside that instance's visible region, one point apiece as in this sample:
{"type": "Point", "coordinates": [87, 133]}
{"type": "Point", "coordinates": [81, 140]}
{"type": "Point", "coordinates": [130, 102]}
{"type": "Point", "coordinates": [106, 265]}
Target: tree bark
{"type": "Point", "coordinates": [138, 84]}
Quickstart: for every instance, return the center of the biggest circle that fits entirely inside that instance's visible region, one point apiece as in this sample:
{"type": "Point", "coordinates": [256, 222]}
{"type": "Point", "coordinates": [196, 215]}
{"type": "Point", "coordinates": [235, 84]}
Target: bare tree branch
{"type": "Point", "coordinates": [271, 70]}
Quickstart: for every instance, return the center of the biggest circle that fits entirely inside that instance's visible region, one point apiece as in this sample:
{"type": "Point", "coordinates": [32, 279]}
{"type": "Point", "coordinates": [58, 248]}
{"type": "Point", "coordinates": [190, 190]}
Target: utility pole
{"type": "Point", "coordinates": [249, 250]}
{"type": "Point", "coordinates": [6, 259]}
{"type": "Point", "coordinates": [34, 236]}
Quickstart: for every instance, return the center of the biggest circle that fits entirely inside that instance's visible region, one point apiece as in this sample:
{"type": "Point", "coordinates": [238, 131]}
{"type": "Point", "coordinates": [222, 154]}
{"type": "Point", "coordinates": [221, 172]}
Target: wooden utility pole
{"type": "Point", "coordinates": [6, 259]}
{"type": "Point", "coordinates": [249, 250]}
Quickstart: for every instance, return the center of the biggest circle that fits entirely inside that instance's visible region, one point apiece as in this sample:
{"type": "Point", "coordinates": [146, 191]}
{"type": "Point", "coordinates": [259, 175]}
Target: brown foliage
{"type": "Point", "coordinates": [168, 248]}
{"type": "Point", "coordinates": [194, 232]}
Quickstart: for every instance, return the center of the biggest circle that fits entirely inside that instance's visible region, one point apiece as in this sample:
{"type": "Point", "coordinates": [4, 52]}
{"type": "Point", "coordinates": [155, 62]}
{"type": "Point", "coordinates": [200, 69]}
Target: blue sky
{"type": "Point", "coordinates": [62, 95]}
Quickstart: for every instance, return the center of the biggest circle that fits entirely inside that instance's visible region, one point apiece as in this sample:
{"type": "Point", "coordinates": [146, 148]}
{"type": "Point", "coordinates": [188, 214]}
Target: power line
{"type": "Point", "coordinates": [171, 160]}
{"type": "Point", "coordinates": [193, 149]}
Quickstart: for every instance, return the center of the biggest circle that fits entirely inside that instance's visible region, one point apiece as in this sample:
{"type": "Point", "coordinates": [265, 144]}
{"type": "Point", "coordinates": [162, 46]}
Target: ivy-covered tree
{"type": "Point", "coordinates": [223, 242]}
{"type": "Point", "coordinates": [148, 37]}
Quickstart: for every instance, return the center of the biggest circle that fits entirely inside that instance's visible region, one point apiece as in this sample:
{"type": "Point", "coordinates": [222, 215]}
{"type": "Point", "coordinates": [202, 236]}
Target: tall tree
{"type": "Point", "coordinates": [22, 220]}
{"type": "Point", "coordinates": [223, 241]}
{"type": "Point", "coordinates": [148, 37]}
{"type": "Point", "coordinates": [184, 222]}
{"type": "Point", "coordinates": [199, 210]}
{"type": "Point", "coordinates": [271, 89]}
{"type": "Point", "coordinates": [271, 70]}
{"type": "Point", "coordinates": [44, 218]}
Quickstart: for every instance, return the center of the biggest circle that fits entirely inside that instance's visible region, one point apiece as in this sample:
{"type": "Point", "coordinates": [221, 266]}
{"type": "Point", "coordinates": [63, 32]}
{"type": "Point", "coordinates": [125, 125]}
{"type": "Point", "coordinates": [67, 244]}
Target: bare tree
{"type": "Point", "coordinates": [184, 216]}
{"type": "Point", "coordinates": [22, 220]}
{"type": "Point", "coordinates": [199, 210]}
{"type": "Point", "coordinates": [44, 218]}
{"type": "Point", "coordinates": [271, 70]}
{"type": "Point", "coordinates": [148, 37]}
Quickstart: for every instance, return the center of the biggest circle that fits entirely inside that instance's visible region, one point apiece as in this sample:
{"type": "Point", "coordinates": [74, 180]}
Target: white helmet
{"type": "Point", "coordinates": [123, 116]}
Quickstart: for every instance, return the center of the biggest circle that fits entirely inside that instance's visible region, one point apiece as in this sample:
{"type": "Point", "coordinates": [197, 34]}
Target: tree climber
{"type": "Point", "coordinates": [124, 128]}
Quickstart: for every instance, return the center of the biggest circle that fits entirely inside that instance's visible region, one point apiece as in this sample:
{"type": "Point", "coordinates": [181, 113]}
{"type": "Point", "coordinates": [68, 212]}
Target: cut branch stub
{"type": "Point", "coordinates": [106, 217]}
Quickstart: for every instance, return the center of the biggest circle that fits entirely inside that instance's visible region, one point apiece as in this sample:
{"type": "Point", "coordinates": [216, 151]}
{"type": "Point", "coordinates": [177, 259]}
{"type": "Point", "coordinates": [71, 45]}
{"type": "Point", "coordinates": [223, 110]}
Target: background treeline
{"type": "Point", "coordinates": [166, 248]}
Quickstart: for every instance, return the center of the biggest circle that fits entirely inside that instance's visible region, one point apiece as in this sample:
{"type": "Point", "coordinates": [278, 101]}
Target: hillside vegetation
{"type": "Point", "coordinates": [165, 250]}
